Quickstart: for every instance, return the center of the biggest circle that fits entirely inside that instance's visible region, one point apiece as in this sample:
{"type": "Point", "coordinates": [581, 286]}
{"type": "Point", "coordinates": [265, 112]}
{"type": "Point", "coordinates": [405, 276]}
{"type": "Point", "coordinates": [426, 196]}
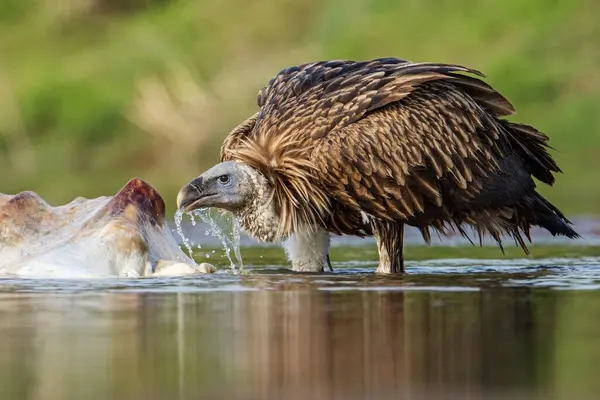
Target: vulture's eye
{"type": "Point", "coordinates": [224, 179]}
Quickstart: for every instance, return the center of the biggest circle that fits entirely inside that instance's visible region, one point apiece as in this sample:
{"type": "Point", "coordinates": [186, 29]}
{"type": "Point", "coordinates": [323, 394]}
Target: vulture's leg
{"type": "Point", "coordinates": [390, 241]}
{"type": "Point", "coordinates": [308, 250]}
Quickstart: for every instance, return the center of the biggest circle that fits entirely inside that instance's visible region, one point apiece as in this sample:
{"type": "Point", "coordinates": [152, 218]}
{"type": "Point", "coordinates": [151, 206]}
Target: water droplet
{"type": "Point", "coordinates": [186, 241]}
{"type": "Point", "coordinates": [221, 224]}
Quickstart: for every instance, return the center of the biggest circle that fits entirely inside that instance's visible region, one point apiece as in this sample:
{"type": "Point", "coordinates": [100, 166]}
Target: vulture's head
{"type": "Point", "coordinates": [229, 185]}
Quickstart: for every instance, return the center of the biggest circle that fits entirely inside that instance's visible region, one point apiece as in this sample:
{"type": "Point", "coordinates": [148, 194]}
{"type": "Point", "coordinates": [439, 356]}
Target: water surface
{"type": "Point", "coordinates": [449, 329]}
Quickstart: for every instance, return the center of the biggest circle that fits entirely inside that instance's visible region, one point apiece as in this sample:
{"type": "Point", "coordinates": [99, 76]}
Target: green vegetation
{"type": "Point", "coordinates": [95, 92]}
{"type": "Point", "coordinates": [261, 256]}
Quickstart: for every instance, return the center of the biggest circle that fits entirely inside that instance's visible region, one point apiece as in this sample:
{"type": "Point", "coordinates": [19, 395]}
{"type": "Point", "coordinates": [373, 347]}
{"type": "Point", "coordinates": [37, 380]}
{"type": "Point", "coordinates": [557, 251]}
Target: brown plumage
{"type": "Point", "coordinates": [362, 148]}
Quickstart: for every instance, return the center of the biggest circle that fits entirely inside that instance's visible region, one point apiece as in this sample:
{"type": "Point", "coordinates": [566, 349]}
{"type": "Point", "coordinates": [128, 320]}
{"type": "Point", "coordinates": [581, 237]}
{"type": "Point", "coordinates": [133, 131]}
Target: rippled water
{"type": "Point", "coordinates": [453, 329]}
{"type": "Point", "coordinates": [436, 275]}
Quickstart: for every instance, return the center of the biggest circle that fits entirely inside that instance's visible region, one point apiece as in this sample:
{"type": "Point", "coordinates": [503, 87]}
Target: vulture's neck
{"type": "Point", "coordinates": [307, 250]}
{"type": "Point", "coordinates": [258, 216]}
{"type": "Point", "coordinates": [260, 220]}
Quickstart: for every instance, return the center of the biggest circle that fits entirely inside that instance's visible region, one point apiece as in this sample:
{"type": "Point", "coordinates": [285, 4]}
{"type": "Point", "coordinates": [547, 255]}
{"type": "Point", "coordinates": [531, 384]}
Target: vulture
{"type": "Point", "coordinates": [366, 147]}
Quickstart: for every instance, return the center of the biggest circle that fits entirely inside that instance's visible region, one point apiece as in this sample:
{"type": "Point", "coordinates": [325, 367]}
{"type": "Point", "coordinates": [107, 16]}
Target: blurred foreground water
{"type": "Point", "coordinates": [452, 329]}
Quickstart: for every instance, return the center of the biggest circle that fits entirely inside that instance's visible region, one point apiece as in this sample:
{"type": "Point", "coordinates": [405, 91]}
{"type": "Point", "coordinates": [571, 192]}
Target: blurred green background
{"type": "Point", "coordinates": [95, 92]}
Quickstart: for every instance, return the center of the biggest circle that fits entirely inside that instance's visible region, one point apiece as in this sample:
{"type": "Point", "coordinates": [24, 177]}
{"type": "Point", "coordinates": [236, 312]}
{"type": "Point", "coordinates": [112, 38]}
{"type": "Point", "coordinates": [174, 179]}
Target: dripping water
{"type": "Point", "coordinates": [224, 226]}
{"type": "Point", "coordinates": [186, 241]}
{"type": "Point", "coordinates": [221, 225]}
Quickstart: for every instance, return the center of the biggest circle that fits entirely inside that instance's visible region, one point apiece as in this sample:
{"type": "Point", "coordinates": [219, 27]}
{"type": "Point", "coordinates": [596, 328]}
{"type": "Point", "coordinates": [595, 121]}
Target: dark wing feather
{"type": "Point", "coordinates": [314, 99]}
{"type": "Point", "coordinates": [433, 152]}
{"type": "Point", "coordinates": [392, 162]}
{"type": "Point", "coordinates": [390, 138]}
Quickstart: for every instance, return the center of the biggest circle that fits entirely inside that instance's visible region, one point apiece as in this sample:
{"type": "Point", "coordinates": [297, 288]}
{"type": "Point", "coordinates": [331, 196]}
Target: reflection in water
{"type": "Point", "coordinates": [299, 342]}
{"type": "Point", "coordinates": [351, 345]}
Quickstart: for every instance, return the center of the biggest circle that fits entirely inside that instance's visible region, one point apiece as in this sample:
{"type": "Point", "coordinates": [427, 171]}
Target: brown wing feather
{"type": "Point", "coordinates": [391, 163]}
{"type": "Point", "coordinates": [313, 99]}
{"type": "Point", "coordinates": [236, 138]}
{"type": "Point", "coordinates": [386, 137]}
{"type": "Point", "coordinates": [424, 160]}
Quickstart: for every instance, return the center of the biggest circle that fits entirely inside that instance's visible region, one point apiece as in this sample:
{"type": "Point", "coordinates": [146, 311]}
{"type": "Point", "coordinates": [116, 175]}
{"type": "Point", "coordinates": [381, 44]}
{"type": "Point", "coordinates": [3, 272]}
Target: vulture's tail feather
{"type": "Point", "coordinates": [532, 145]}
{"type": "Point", "coordinates": [544, 214]}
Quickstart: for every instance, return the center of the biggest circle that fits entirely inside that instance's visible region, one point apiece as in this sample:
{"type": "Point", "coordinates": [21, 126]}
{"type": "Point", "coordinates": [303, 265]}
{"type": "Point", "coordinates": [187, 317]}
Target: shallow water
{"type": "Point", "coordinates": [449, 329]}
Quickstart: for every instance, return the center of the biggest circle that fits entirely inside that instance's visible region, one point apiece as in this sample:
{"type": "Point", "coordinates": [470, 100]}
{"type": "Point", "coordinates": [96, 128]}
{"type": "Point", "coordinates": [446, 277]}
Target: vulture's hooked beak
{"type": "Point", "coordinates": [217, 187]}
{"type": "Point", "coordinates": [192, 196]}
